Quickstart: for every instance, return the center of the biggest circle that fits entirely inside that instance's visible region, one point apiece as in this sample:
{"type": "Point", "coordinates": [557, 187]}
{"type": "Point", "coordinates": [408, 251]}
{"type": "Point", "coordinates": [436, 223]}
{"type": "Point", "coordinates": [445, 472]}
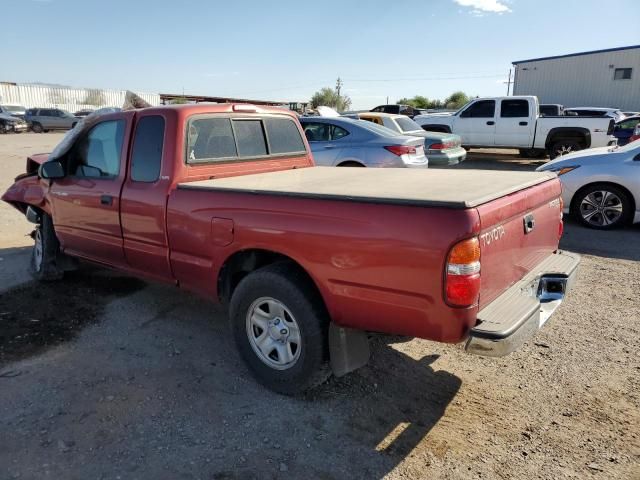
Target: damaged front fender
{"type": "Point", "coordinates": [27, 190]}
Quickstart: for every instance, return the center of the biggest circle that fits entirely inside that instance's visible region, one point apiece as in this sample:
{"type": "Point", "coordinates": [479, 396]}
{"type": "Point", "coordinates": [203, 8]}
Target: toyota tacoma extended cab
{"type": "Point", "coordinates": [515, 122]}
{"type": "Point", "coordinates": [225, 200]}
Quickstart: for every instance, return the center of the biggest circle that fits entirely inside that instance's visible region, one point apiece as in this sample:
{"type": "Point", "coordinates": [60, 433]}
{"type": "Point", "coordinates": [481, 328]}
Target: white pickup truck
{"type": "Point", "coordinates": [515, 122]}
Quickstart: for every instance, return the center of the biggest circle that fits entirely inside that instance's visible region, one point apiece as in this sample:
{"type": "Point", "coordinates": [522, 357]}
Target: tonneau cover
{"type": "Point", "coordinates": [451, 188]}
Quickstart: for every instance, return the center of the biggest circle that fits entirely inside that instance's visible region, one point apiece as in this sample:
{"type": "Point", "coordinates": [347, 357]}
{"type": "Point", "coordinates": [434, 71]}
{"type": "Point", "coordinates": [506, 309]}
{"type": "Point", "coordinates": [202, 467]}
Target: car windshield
{"type": "Point", "coordinates": [377, 129]}
{"type": "Point", "coordinates": [407, 125]}
{"type": "Point", "coordinates": [66, 114]}
{"type": "Point", "coordinates": [13, 108]}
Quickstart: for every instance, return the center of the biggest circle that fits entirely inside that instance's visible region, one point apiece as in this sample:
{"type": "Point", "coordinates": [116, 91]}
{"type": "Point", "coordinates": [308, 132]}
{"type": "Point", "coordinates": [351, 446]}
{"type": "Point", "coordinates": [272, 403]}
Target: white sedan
{"type": "Point", "coordinates": [601, 186]}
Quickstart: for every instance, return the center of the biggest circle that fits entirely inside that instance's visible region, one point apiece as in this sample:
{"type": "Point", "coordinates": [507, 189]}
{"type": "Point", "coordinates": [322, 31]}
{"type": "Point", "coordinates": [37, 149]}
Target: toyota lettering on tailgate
{"type": "Point", "coordinates": [492, 235]}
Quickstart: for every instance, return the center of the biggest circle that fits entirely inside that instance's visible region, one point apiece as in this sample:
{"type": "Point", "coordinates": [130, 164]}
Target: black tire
{"type": "Point", "coordinates": [46, 252]}
{"type": "Point", "coordinates": [615, 212]}
{"type": "Point", "coordinates": [564, 147]}
{"type": "Point", "coordinates": [36, 127]}
{"type": "Point", "coordinates": [351, 164]}
{"type": "Point", "coordinates": [295, 291]}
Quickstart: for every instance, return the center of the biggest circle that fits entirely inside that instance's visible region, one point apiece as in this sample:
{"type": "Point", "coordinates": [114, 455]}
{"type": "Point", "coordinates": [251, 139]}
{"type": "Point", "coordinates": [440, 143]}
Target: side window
{"type": "Point", "coordinates": [514, 108]}
{"type": "Point", "coordinates": [317, 132]}
{"type": "Point", "coordinates": [378, 109]}
{"type": "Point", "coordinates": [480, 109]}
{"type": "Point", "coordinates": [622, 73]}
{"type": "Point", "coordinates": [628, 124]}
{"type": "Point", "coordinates": [211, 138]}
{"type": "Point", "coordinates": [284, 136]}
{"type": "Point", "coordinates": [250, 138]}
{"type": "Point", "coordinates": [338, 132]}
{"type": "Point", "coordinates": [146, 155]}
{"type": "Point", "coordinates": [98, 154]}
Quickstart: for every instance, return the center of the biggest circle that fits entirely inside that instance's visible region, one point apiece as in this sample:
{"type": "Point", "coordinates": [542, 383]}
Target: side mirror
{"type": "Point", "coordinates": [51, 170]}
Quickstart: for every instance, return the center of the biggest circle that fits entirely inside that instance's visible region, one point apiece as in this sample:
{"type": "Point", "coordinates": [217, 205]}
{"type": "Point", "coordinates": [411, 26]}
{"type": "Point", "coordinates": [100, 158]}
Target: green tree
{"type": "Point", "coordinates": [456, 100]}
{"type": "Point", "coordinates": [330, 98]}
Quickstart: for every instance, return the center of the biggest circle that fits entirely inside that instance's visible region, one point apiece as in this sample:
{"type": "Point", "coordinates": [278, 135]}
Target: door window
{"type": "Point", "coordinates": [98, 153]}
{"type": "Point", "coordinates": [514, 109]}
{"type": "Point", "coordinates": [480, 109]}
{"type": "Point", "coordinates": [146, 155]}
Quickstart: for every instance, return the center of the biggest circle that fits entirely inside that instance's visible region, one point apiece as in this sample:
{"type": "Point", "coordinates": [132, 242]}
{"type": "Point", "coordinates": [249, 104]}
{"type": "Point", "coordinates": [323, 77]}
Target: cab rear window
{"type": "Point", "coordinates": [216, 138]}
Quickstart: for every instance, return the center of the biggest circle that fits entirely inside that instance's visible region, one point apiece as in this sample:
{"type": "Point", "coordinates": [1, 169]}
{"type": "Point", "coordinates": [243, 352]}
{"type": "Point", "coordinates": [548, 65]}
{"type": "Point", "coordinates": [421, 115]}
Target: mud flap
{"type": "Point", "coordinates": [348, 348]}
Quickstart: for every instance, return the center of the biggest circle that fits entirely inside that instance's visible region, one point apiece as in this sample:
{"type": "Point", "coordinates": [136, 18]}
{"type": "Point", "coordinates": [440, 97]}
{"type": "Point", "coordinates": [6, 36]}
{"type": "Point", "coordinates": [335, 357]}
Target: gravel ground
{"type": "Point", "coordinates": [103, 376]}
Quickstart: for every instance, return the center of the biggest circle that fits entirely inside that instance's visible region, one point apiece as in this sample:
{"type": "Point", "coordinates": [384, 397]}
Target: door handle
{"type": "Point", "coordinates": [106, 200]}
{"type": "Point", "coordinates": [523, 123]}
{"type": "Point", "coordinates": [491, 122]}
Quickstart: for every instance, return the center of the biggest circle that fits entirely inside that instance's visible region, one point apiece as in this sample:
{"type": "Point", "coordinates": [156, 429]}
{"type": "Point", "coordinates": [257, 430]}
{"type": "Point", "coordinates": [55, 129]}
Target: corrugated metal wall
{"type": "Point", "coordinates": [71, 99]}
{"type": "Point", "coordinates": [582, 81]}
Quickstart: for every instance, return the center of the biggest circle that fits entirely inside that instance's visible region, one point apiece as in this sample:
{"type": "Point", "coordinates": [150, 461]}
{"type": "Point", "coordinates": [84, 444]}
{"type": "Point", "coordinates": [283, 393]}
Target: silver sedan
{"type": "Point", "coordinates": [342, 142]}
{"type": "Point", "coordinates": [601, 186]}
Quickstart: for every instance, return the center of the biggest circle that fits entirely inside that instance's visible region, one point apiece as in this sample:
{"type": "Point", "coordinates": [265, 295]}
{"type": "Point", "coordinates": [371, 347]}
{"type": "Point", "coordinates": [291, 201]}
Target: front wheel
{"type": "Point", "coordinates": [46, 252]}
{"type": "Point", "coordinates": [280, 327]}
{"type": "Point", "coordinates": [564, 147]}
{"type": "Point", "coordinates": [602, 206]}
{"type": "Point", "coordinates": [37, 128]}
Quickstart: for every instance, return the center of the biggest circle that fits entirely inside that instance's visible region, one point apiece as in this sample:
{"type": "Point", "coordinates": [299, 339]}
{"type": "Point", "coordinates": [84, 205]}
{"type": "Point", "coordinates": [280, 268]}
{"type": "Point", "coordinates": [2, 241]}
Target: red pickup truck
{"type": "Point", "coordinates": [225, 200]}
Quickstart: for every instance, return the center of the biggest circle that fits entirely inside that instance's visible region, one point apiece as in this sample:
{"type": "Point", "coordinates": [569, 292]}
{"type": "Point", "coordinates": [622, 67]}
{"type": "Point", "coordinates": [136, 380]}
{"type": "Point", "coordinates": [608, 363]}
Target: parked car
{"type": "Point", "coordinates": [551, 110]}
{"type": "Point", "coordinates": [9, 123]}
{"type": "Point", "coordinates": [614, 113]}
{"type": "Point", "coordinates": [45, 119]}
{"type": "Point", "coordinates": [344, 142]}
{"type": "Point", "coordinates": [514, 122]}
{"type": "Point", "coordinates": [224, 200]}
{"type": "Point", "coordinates": [624, 129]}
{"type": "Point", "coordinates": [407, 110]}
{"type": "Point", "coordinates": [83, 113]}
{"type": "Point", "coordinates": [601, 186]}
{"type": "Point", "coordinates": [13, 110]}
{"type": "Point", "coordinates": [440, 148]}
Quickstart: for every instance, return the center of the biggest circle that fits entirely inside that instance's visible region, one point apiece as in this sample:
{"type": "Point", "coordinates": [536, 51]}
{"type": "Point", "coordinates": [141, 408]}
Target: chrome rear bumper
{"type": "Point", "coordinates": [516, 315]}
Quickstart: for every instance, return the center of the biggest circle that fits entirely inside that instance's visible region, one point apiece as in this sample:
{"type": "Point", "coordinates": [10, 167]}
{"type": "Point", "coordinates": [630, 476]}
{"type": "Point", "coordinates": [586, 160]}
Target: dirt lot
{"type": "Point", "coordinates": [108, 377]}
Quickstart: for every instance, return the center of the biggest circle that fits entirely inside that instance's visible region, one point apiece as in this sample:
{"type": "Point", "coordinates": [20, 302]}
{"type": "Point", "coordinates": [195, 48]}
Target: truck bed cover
{"type": "Point", "coordinates": [422, 187]}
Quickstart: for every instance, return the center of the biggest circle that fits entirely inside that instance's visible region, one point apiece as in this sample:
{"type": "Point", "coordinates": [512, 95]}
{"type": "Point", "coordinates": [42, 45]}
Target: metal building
{"type": "Point", "coordinates": [601, 78]}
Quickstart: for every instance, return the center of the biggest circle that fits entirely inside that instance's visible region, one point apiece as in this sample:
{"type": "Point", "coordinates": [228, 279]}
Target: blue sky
{"type": "Point", "coordinates": [286, 50]}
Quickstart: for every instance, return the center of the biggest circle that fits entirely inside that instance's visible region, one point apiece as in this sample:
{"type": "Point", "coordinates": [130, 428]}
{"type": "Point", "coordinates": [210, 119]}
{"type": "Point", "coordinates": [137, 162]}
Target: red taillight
{"type": "Point", "coordinates": [400, 150]}
{"type": "Point", "coordinates": [462, 286]}
{"type": "Point", "coordinates": [441, 146]}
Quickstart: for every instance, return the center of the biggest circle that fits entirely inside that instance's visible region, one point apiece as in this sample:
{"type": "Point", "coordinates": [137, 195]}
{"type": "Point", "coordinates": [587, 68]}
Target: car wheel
{"type": "Point", "coordinates": [36, 127]}
{"type": "Point", "coordinates": [46, 252]}
{"type": "Point", "coordinates": [280, 326]}
{"type": "Point", "coordinates": [564, 147]}
{"type": "Point", "coordinates": [602, 206]}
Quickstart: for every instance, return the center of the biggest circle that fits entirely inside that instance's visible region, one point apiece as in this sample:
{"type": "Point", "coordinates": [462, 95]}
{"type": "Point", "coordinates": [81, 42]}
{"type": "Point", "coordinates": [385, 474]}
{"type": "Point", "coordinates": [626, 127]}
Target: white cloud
{"type": "Point", "coordinates": [480, 7]}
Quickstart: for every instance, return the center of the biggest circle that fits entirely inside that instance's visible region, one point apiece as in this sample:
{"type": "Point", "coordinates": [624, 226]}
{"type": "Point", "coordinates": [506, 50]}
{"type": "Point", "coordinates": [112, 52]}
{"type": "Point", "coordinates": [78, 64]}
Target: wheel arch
{"type": "Point", "coordinates": [561, 133]}
{"type": "Point", "coordinates": [350, 162]}
{"type": "Point", "coordinates": [436, 127]}
{"type": "Point", "coordinates": [243, 262]}
{"type": "Point", "coordinates": [604, 183]}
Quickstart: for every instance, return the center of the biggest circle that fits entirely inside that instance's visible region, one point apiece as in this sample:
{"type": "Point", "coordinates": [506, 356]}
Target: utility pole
{"type": "Point", "coordinates": [508, 82]}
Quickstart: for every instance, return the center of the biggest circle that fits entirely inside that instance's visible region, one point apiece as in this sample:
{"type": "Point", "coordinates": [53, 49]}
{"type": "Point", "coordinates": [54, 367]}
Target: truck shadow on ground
{"type": "Point", "coordinates": [622, 243]}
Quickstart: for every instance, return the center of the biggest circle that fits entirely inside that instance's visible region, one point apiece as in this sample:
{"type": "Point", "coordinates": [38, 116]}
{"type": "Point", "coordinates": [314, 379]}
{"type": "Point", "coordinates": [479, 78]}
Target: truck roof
{"type": "Point", "coordinates": [204, 107]}
{"type": "Point", "coordinates": [436, 188]}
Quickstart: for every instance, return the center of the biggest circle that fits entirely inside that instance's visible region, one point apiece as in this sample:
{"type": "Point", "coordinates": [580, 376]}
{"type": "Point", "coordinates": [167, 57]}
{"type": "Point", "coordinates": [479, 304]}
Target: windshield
{"type": "Point", "coordinates": [407, 125]}
{"type": "Point", "coordinates": [377, 129]}
{"type": "Point", "coordinates": [13, 108]}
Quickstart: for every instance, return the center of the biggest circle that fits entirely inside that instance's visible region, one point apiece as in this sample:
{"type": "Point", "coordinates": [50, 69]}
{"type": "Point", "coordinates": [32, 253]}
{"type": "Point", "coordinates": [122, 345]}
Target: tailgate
{"type": "Point", "coordinates": [518, 232]}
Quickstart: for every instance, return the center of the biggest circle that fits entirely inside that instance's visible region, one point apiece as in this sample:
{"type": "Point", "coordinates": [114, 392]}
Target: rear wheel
{"type": "Point", "coordinates": [564, 147]}
{"type": "Point", "coordinates": [602, 206]}
{"type": "Point", "coordinates": [36, 127]}
{"type": "Point", "coordinates": [46, 252]}
{"type": "Point", "coordinates": [280, 326]}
